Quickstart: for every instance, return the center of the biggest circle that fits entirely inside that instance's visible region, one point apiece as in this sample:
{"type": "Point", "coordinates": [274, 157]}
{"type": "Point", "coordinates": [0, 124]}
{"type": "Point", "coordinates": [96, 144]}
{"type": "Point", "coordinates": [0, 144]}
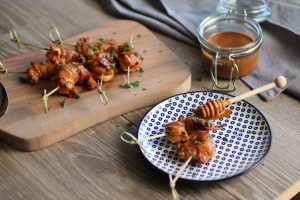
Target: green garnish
{"type": "Point", "coordinates": [225, 139]}
{"type": "Point", "coordinates": [114, 54]}
{"type": "Point", "coordinates": [140, 56]}
{"type": "Point", "coordinates": [24, 79]}
{"type": "Point", "coordinates": [113, 65]}
{"type": "Point", "coordinates": [209, 137]}
{"type": "Point", "coordinates": [193, 174]}
{"type": "Point", "coordinates": [101, 39]}
{"type": "Point", "coordinates": [194, 119]}
{"type": "Point", "coordinates": [241, 130]}
{"type": "Point", "coordinates": [73, 63]}
{"type": "Point", "coordinates": [91, 53]}
{"type": "Point", "coordinates": [253, 132]}
{"type": "Point", "coordinates": [128, 46]}
{"type": "Point", "coordinates": [210, 122]}
{"type": "Point", "coordinates": [223, 125]}
{"type": "Point", "coordinates": [59, 66]}
{"type": "Point", "coordinates": [141, 70]}
{"type": "Point", "coordinates": [93, 47]}
{"type": "Point", "coordinates": [44, 62]}
{"type": "Point", "coordinates": [130, 85]}
{"type": "Point", "coordinates": [226, 174]}
{"type": "Point", "coordinates": [88, 61]}
{"type": "Point", "coordinates": [64, 103]}
{"type": "Point", "coordinates": [77, 96]}
{"type": "Point", "coordinates": [197, 141]}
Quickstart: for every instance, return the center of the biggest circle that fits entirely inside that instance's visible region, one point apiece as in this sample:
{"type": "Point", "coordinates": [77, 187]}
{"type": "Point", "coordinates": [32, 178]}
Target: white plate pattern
{"type": "Point", "coordinates": [241, 144]}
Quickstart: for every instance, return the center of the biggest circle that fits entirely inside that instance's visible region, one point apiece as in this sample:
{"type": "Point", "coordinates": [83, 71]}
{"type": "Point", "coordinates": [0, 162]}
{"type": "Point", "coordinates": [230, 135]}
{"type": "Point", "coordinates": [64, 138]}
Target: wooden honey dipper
{"type": "Point", "coordinates": [216, 109]}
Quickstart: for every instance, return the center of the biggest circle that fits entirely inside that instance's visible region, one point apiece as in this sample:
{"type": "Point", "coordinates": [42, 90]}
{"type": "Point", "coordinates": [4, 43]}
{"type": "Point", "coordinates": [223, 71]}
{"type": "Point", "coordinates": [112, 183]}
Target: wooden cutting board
{"type": "Point", "coordinates": [28, 128]}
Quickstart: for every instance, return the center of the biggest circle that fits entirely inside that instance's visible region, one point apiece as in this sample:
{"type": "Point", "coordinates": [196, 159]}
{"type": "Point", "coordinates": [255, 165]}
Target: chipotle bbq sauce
{"type": "Point", "coordinates": [231, 39]}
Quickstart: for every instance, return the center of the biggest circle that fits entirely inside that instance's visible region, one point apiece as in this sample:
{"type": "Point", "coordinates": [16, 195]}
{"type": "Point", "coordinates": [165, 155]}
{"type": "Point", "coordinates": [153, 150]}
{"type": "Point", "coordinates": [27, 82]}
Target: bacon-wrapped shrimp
{"type": "Point", "coordinates": [71, 74]}
{"type": "Point", "coordinates": [200, 147]}
{"type": "Point", "coordinates": [41, 70]}
{"type": "Point", "coordinates": [59, 55]}
{"type": "Point", "coordinates": [192, 137]}
{"type": "Point", "coordinates": [128, 57]}
{"type": "Point", "coordinates": [103, 66]}
{"type": "Point", "coordinates": [176, 131]}
{"type": "Point", "coordinates": [107, 45]}
{"type": "Point", "coordinates": [86, 47]}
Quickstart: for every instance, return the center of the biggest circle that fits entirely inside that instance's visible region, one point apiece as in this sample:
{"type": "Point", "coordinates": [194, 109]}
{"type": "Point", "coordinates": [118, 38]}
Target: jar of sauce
{"type": "Point", "coordinates": [230, 47]}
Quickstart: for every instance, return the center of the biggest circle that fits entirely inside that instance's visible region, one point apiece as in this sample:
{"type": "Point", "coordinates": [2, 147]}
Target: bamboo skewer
{"type": "Point", "coordinates": [102, 94]}
{"type": "Point", "coordinates": [58, 41]}
{"type": "Point", "coordinates": [4, 70]}
{"type": "Point", "coordinates": [45, 98]}
{"type": "Point", "coordinates": [133, 140]}
{"type": "Point", "coordinates": [127, 81]}
{"type": "Point", "coordinates": [14, 38]}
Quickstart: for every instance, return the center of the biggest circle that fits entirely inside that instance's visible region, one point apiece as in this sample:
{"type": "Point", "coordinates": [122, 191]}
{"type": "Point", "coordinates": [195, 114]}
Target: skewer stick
{"type": "Point", "coordinates": [130, 139]}
{"type": "Point", "coordinates": [128, 81]}
{"type": "Point", "coordinates": [4, 70]}
{"type": "Point", "coordinates": [102, 93]}
{"type": "Point", "coordinates": [58, 40]}
{"type": "Point", "coordinates": [173, 181]}
{"type": "Point", "coordinates": [14, 38]}
{"type": "Point", "coordinates": [133, 140]}
{"type": "Point", "coordinates": [45, 98]}
{"type": "Point", "coordinates": [131, 40]}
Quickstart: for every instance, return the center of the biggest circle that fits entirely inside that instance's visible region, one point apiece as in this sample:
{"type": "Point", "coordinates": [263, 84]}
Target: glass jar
{"type": "Point", "coordinates": [230, 47]}
{"type": "Point", "coordinates": [256, 9]}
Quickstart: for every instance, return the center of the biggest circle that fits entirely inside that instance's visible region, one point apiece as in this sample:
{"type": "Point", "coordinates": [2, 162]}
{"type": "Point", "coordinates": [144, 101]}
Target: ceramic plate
{"type": "Point", "coordinates": [241, 144]}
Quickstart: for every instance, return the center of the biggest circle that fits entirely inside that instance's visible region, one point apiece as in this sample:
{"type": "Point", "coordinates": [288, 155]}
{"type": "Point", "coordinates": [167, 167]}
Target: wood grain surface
{"type": "Point", "coordinates": [95, 164]}
{"type": "Point", "coordinates": [164, 75]}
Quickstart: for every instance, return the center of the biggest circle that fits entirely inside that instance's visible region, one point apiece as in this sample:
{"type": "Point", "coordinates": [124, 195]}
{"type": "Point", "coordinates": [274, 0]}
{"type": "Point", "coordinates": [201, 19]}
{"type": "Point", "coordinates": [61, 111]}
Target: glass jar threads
{"type": "Point", "coordinates": [230, 47]}
{"type": "Point", "coordinates": [256, 9]}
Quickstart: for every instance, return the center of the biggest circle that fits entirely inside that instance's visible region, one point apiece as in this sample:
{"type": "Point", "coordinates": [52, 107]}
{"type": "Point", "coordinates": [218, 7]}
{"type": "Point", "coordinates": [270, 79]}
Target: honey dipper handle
{"type": "Point", "coordinates": [279, 82]}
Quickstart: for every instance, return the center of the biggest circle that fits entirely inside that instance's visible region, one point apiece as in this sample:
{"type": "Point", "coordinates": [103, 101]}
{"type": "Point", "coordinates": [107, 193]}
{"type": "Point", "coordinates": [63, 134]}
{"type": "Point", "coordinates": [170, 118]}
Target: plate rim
{"type": "Point", "coordinates": [216, 180]}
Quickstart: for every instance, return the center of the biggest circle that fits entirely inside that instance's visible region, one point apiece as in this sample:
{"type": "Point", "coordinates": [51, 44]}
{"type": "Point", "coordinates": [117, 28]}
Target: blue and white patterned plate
{"type": "Point", "coordinates": [241, 144]}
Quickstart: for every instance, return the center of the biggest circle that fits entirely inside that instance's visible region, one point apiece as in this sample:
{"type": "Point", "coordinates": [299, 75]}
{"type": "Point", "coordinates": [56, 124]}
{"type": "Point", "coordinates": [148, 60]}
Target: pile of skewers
{"type": "Point", "coordinates": [88, 63]}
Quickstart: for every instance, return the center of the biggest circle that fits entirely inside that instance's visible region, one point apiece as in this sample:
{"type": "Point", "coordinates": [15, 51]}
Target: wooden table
{"type": "Point", "coordinates": [95, 163]}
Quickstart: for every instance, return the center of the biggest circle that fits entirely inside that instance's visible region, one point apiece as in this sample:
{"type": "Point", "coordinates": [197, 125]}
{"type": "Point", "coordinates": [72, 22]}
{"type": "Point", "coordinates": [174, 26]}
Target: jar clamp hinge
{"type": "Point", "coordinates": [231, 86]}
